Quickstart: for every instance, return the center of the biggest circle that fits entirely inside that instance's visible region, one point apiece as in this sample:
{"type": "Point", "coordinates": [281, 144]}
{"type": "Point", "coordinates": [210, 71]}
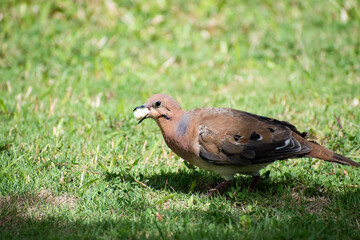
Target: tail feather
{"type": "Point", "coordinates": [320, 152]}
{"type": "Point", "coordinates": [344, 160]}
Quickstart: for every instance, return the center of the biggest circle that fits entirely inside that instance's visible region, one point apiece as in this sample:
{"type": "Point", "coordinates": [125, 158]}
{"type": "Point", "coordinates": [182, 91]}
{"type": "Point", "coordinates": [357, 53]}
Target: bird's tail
{"type": "Point", "coordinates": [320, 152]}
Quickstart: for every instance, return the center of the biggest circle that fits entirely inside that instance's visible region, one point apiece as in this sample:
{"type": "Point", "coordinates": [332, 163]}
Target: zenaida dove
{"type": "Point", "coordinates": [229, 141]}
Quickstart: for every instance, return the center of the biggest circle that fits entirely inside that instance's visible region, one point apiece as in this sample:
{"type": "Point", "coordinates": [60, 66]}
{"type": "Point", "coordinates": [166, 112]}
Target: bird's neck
{"type": "Point", "coordinates": [168, 126]}
{"type": "Point", "coordinates": [169, 131]}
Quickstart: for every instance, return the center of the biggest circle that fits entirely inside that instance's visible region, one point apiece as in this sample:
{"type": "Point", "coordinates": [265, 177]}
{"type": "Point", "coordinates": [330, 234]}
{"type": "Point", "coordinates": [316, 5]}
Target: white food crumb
{"type": "Point", "coordinates": [140, 113]}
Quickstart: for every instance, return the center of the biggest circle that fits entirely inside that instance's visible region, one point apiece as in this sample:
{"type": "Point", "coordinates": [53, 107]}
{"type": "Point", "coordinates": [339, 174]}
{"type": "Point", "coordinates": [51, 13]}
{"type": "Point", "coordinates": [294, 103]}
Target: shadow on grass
{"type": "Point", "coordinates": [290, 208]}
{"type": "Point", "coordinates": [200, 182]}
{"type": "Point", "coordinates": [195, 223]}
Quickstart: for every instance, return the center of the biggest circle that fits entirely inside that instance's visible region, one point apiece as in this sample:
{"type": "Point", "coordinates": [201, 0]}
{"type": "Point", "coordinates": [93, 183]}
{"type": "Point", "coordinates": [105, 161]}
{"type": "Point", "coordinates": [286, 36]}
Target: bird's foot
{"type": "Point", "coordinates": [219, 188]}
{"type": "Point", "coordinates": [255, 180]}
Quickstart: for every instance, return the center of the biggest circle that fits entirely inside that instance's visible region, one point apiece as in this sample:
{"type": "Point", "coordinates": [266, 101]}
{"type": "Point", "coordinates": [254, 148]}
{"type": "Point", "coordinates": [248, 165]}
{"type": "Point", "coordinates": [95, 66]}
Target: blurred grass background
{"type": "Point", "coordinates": [74, 163]}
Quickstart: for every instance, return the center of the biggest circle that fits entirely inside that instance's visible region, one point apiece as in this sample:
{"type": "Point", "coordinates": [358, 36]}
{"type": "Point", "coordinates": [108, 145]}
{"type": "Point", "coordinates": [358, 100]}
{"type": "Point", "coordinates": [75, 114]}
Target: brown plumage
{"type": "Point", "coordinates": [229, 141]}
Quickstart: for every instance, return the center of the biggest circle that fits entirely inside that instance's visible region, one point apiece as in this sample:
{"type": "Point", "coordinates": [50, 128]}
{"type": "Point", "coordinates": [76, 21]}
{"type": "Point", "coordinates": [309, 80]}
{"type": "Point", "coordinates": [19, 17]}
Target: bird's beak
{"type": "Point", "coordinates": [141, 112]}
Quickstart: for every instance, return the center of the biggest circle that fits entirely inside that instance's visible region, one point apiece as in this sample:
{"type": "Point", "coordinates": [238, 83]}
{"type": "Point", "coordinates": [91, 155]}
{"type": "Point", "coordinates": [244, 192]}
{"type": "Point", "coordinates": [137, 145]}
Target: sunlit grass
{"type": "Point", "coordinates": [75, 164]}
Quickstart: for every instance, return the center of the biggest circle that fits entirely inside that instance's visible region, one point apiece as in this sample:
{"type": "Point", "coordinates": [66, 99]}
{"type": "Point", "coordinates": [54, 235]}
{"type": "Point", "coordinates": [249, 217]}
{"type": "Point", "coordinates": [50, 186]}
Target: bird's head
{"type": "Point", "coordinates": [160, 107]}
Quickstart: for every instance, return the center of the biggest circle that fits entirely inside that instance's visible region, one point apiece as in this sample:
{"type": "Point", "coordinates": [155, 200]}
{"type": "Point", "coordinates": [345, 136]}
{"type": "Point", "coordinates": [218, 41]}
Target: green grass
{"type": "Point", "coordinates": [74, 163]}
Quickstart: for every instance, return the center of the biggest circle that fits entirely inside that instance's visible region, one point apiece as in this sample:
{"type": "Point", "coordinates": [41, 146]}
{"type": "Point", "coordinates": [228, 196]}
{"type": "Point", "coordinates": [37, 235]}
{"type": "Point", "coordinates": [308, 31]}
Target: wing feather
{"type": "Point", "coordinates": [231, 137]}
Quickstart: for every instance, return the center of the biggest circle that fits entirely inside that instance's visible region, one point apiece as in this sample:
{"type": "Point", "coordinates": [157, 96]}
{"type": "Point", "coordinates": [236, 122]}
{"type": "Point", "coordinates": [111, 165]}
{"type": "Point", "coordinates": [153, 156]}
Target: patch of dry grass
{"type": "Point", "coordinates": [15, 209]}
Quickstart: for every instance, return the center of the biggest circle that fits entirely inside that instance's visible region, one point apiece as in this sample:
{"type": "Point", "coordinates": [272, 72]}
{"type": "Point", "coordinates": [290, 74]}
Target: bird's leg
{"type": "Point", "coordinates": [219, 187]}
{"type": "Point", "coordinates": [255, 180]}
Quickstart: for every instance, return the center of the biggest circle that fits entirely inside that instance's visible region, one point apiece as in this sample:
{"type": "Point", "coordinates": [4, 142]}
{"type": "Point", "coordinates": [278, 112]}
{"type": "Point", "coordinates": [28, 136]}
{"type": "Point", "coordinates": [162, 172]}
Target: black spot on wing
{"type": "Point", "coordinates": [255, 136]}
{"type": "Point", "coordinates": [237, 137]}
{"type": "Point", "coordinates": [278, 122]}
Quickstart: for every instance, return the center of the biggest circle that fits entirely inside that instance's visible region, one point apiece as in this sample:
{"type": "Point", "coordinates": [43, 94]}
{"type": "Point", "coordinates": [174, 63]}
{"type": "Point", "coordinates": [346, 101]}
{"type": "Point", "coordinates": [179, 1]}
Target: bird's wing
{"type": "Point", "coordinates": [231, 137]}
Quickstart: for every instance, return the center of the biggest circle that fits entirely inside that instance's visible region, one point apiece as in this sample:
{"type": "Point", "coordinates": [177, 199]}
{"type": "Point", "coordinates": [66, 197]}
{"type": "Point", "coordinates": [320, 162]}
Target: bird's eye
{"type": "Point", "coordinates": [157, 104]}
